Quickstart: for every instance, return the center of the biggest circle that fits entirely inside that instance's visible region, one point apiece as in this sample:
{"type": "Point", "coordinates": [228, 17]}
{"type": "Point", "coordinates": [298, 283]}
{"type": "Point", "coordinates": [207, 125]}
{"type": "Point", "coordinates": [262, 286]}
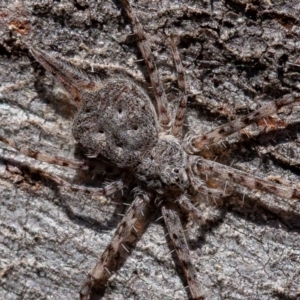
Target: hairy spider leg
{"type": "Point", "coordinates": [177, 236]}
{"type": "Point", "coordinates": [71, 78]}
{"type": "Point", "coordinates": [45, 157]}
{"type": "Point", "coordinates": [195, 143]}
{"type": "Point", "coordinates": [212, 168]}
{"type": "Point", "coordinates": [128, 231]}
{"type": "Point", "coordinates": [158, 89]}
{"type": "Point", "coordinates": [181, 109]}
{"type": "Point", "coordinates": [186, 204]}
{"type": "Point", "coordinates": [109, 188]}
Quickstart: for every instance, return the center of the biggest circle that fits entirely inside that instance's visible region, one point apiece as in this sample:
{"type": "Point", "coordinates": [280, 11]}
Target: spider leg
{"type": "Point", "coordinates": [279, 156]}
{"type": "Point", "coordinates": [200, 186]}
{"type": "Point", "coordinates": [175, 230]}
{"type": "Point", "coordinates": [223, 172]}
{"type": "Point", "coordinates": [159, 92]}
{"type": "Point", "coordinates": [200, 216]}
{"type": "Point", "coordinates": [108, 189]}
{"type": "Point", "coordinates": [128, 231]}
{"type": "Point", "coordinates": [195, 143]}
{"type": "Point", "coordinates": [180, 112]}
{"type": "Point", "coordinates": [44, 157]}
{"type": "Point", "coordinates": [72, 79]}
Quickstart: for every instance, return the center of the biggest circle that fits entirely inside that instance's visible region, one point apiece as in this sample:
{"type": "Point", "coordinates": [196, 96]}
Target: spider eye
{"type": "Point", "coordinates": [176, 171]}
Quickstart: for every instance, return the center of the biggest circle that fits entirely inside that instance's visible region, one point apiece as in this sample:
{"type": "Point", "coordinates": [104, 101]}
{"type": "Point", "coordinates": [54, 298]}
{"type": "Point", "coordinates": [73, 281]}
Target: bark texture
{"type": "Point", "coordinates": [238, 55]}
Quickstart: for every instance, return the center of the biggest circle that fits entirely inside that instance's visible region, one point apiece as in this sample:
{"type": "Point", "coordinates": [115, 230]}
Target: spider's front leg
{"type": "Point", "coordinates": [212, 168]}
{"type": "Point", "coordinates": [127, 233]}
{"type": "Point", "coordinates": [194, 143]}
{"type": "Point", "coordinates": [177, 236]}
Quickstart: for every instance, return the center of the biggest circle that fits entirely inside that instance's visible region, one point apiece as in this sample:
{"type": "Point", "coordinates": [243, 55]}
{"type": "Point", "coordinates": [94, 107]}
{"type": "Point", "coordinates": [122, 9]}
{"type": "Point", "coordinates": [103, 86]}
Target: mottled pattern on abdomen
{"type": "Point", "coordinates": [119, 123]}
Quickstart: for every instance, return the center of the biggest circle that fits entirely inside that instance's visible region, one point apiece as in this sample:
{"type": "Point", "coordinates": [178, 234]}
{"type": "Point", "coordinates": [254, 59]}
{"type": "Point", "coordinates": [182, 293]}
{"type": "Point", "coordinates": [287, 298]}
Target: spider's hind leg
{"type": "Point", "coordinates": [108, 189]}
{"type": "Point", "coordinates": [75, 81]}
{"type": "Point", "coordinates": [181, 109]}
{"type": "Point", "coordinates": [158, 89]}
{"type": "Point", "coordinates": [44, 157]}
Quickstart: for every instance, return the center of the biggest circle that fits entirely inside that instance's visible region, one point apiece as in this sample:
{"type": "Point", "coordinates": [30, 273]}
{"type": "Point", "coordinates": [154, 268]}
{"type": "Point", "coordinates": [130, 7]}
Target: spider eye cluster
{"type": "Point", "coordinates": [175, 174]}
{"type": "Point", "coordinates": [177, 177]}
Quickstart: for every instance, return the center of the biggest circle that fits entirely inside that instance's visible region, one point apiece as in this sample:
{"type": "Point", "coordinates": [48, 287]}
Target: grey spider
{"type": "Point", "coordinates": [117, 122]}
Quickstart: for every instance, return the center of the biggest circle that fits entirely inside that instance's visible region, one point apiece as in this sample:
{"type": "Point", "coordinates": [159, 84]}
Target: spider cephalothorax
{"type": "Point", "coordinates": [164, 166]}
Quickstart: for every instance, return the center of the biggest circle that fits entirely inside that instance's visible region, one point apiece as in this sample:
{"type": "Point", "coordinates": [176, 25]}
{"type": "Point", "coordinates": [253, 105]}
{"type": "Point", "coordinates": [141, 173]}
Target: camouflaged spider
{"type": "Point", "coordinates": [117, 121]}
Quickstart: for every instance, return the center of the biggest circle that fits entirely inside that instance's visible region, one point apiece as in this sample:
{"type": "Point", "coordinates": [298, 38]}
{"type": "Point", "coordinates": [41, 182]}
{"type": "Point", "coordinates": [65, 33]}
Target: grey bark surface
{"type": "Point", "coordinates": [238, 55]}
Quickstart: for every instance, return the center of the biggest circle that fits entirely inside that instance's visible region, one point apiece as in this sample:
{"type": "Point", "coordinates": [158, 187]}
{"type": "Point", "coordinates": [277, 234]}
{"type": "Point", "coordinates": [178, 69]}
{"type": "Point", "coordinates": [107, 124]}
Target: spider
{"type": "Point", "coordinates": [118, 123]}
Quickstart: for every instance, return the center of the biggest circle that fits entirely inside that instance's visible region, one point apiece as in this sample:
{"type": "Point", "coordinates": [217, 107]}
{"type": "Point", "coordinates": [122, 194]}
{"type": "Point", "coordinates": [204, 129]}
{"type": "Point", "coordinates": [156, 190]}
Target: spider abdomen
{"type": "Point", "coordinates": [117, 122]}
